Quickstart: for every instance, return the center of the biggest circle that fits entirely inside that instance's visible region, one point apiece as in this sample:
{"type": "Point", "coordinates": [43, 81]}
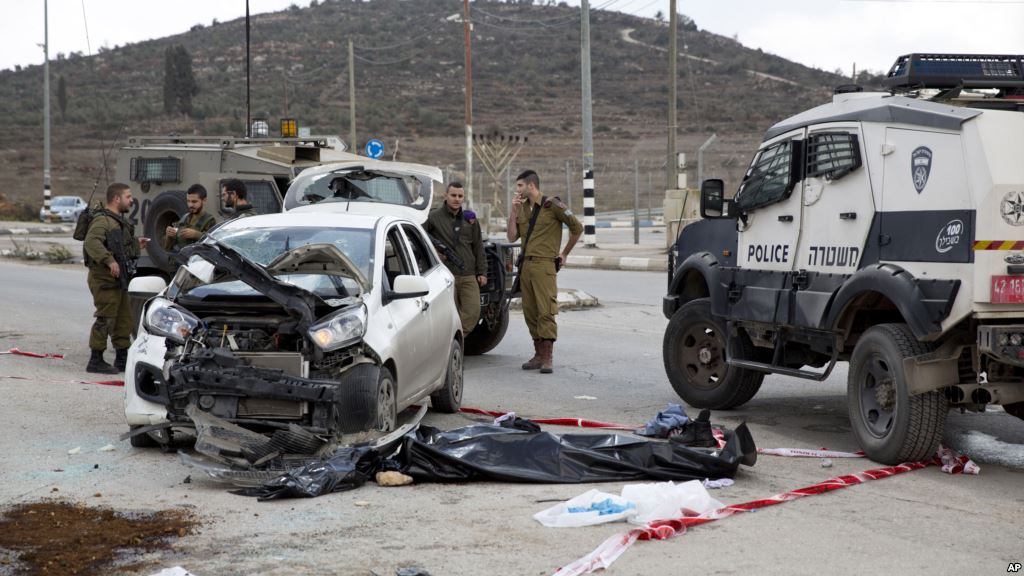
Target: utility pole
{"type": "Point", "coordinates": [467, 28]}
{"type": "Point", "coordinates": [248, 94]}
{"type": "Point", "coordinates": [589, 212]}
{"type": "Point", "coordinates": [352, 98]}
{"type": "Point", "coordinates": [46, 107]}
{"type": "Point", "coordinates": [672, 167]}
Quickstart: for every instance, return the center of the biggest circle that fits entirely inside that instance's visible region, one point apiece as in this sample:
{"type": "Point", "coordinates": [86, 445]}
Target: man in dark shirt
{"type": "Point", "coordinates": [459, 230]}
{"type": "Point", "coordinates": [233, 195]}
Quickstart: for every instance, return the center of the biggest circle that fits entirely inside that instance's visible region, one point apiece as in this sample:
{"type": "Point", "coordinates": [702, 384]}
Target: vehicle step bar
{"type": "Point", "coordinates": [776, 367]}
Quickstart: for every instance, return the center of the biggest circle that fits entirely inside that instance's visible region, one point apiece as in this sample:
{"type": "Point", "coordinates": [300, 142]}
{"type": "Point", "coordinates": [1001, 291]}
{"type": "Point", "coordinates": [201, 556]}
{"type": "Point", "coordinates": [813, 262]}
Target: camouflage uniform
{"type": "Point", "coordinates": [537, 279]}
{"type": "Point", "coordinates": [201, 222]}
{"type": "Point", "coordinates": [464, 237]}
{"type": "Point", "coordinates": [109, 294]}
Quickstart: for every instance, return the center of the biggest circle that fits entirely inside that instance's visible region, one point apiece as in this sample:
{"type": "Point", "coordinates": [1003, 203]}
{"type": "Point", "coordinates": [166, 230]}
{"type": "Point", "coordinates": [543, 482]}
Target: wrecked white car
{"type": "Point", "coordinates": [309, 322]}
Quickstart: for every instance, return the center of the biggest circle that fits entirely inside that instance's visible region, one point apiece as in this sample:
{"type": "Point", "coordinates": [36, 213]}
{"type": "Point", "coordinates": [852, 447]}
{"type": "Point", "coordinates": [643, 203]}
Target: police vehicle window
{"type": "Point", "coordinates": [396, 261]}
{"type": "Point", "coordinates": [768, 179]}
{"type": "Point", "coordinates": [263, 196]}
{"type": "Point", "coordinates": [424, 258]}
{"type": "Point", "coordinates": [832, 155]}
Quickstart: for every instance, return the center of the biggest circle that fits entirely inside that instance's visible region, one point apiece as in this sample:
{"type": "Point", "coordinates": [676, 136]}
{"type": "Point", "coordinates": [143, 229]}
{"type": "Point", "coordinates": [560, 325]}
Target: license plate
{"type": "Point", "coordinates": [1007, 290]}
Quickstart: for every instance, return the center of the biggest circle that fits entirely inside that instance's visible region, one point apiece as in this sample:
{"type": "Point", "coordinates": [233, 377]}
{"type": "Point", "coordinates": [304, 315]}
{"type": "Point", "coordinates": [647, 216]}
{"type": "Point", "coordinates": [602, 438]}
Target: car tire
{"type": "Point", "coordinates": [694, 353]}
{"type": "Point", "coordinates": [449, 398]}
{"type": "Point", "coordinates": [142, 440]}
{"type": "Point", "coordinates": [165, 210]}
{"type": "Point", "coordinates": [891, 425]}
{"type": "Point", "coordinates": [483, 339]}
{"type": "Point", "coordinates": [368, 399]}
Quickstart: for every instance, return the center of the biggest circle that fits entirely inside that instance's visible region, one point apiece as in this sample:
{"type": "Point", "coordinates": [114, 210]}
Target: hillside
{"type": "Point", "coordinates": [409, 90]}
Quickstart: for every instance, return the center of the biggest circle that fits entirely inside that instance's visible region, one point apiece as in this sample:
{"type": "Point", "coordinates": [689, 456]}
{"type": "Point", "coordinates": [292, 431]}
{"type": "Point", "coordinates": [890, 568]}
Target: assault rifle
{"type": "Point", "coordinates": [447, 252]}
{"type": "Point", "coordinates": [115, 243]}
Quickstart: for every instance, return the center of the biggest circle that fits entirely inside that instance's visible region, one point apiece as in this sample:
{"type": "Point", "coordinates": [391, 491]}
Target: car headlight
{"type": "Point", "coordinates": [340, 329]}
{"type": "Point", "coordinates": [165, 319]}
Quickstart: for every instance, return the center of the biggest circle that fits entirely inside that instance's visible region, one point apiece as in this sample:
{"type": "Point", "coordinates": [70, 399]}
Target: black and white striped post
{"type": "Point", "coordinates": [589, 212]}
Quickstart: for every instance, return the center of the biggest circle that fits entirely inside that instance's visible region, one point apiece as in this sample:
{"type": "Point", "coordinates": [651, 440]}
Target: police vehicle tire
{"type": "Point", "coordinates": [165, 209]}
{"type": "Point", "coordinates": [483, 339]}
{"type": "Point", "coordinates": [367, 399]}
{"type": "Point", "coordinates": [142, 440]}
{"type": "Point", "coordinates": [891, 425]}
{"type": "Point", "coordinates": [694, 354]}
{"type": "Point", "coordinates": [449, 398]}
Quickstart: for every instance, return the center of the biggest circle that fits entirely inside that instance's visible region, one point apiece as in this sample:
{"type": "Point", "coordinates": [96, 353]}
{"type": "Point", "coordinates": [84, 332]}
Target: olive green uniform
{"type": "Point", "coordinates": [537, 279]}
{"type": "Point", "coordinates": [201, 222]}
{"type": "Point", "coordinates": [244, 211]}
{"type": "Point", "coordinates": [464, 237]}
{"type": "Point", "coordinates": [113, 311]}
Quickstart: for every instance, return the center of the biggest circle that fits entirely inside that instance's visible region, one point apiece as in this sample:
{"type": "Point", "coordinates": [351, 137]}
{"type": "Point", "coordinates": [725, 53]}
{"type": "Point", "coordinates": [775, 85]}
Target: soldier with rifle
{"type": "Point", "coordinates": [456, 234]}
{"type": "Point", "coordinates": [111, 251]}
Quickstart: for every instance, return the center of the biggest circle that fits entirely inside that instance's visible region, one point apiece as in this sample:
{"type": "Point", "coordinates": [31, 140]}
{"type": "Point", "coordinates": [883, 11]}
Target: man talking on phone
{"type": "Point", "coordinates": [538, 220]}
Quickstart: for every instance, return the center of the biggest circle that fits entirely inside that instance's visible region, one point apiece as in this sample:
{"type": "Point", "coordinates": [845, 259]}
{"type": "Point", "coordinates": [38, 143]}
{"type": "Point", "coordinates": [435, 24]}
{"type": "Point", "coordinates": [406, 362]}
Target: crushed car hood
{"type": "Point", "coordinates": [319, 258]}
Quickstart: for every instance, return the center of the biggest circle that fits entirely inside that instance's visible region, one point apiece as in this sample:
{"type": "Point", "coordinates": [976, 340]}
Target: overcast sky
{"type": "Point", "coordinates": [828, 34]}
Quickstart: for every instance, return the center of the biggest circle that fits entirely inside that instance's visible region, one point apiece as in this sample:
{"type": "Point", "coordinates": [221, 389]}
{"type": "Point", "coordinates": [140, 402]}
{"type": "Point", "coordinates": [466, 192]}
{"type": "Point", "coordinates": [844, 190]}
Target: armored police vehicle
{"type": "Point", "coordinates": [882, 229]}
{"type": "Point", "coordinates": [160, 170]}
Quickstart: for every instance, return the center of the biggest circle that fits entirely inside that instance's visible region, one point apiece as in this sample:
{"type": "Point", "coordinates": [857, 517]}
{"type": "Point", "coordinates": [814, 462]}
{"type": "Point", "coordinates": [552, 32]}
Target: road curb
{"type": "Point", "coordinates": [568, 299]}
{"type": "Point", "coordinates": [36, 230]}
{"type": "Point", "coordinates": [619, 263]}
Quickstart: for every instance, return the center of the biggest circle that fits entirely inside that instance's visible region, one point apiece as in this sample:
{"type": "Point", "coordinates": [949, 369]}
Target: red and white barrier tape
{"type": "Point", "coordinates": [609, 550]}
{"type": "Point", "coordinates": [577, 422]}
{"type": "Point", "coordinates": [17, 352]}
{"type": "Point", "coordinates": [100, 382]}
{"type": "Point", "coordinates": [804, 453]}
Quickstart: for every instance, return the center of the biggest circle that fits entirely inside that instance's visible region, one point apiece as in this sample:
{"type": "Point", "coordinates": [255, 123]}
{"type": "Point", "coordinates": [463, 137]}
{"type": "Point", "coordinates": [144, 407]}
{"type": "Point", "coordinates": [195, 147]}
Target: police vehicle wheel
{"type": "Point", "coordinates": [449, 398]}
{"type": "Point", "coordinates": [368, 399]}
{"type": "Point", "coordinates": [483, 339]}
{"type": "Point", "coordinates": [141, 440]}
{"type": "Point", "coordinates": [891, 425]}
{"type": "Point", "coordinates": [694, 354]}
{"type": "Point", "coordinates": [165, 209]}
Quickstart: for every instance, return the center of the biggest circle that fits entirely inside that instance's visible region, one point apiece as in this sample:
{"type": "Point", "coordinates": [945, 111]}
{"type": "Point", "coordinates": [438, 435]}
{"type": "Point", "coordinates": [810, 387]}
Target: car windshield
{"type": "Point", "coordinates": [64, 201]}
{"type": "Point", "coordinates": [326, 286]}
{"type": "Point", "coordinates": [264, 245]}
{"type": "Point", "coordinates": [358, 186]}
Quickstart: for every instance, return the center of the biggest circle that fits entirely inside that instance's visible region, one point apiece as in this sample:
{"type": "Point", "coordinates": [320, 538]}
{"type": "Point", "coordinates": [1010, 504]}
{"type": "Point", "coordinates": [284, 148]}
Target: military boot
{"type": "Point", "coordinates": [120, 359]}
{"type": "Point", "coordinates": [546, 351]}
{"type": "Point", "coordinates": [534, 363]}
{"type": "Point", "coordinates": [697, 433]}
{"type": "Point", "coordinates": [98, 365]}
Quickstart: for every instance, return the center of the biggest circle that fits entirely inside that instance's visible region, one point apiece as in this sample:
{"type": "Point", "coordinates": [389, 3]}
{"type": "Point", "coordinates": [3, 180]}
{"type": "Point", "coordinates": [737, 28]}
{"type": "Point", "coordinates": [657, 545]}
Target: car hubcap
{"type": "Point", "coordinates": [703, 356]}
{"type": "Point", "coordinates": [456, 373]}
{"type": "Point", "coordinates": [878, 396]}
{"type": "Point", "coordinates": [385, 406]}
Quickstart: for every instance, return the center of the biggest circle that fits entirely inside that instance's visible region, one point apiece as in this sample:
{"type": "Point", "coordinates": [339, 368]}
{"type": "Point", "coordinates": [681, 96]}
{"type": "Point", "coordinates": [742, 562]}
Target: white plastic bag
{"type": "Point", "coordinates": [559, 516]}
{"type": "Point", "coordinates": [666, 500]}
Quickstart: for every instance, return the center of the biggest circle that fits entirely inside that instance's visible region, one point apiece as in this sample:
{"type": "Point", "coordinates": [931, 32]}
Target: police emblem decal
{"type": "Point", "coordinates": [1012, 208]}
{"type": "Point", "coordinates": [920, 167]}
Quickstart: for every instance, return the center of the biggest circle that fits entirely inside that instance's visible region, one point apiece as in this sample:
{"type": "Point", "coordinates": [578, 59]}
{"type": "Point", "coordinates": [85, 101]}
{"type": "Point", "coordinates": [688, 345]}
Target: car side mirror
{"type": "Point", "coordinates": [147, 285]}
{"type": "Point", "coordinates": [713, 203]}
{"type": "Point", "coordinates": [407, 286]}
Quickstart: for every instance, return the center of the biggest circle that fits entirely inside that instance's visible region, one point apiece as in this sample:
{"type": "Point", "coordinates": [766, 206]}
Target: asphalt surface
{"type": "Point", "coordinates": [608, 367]}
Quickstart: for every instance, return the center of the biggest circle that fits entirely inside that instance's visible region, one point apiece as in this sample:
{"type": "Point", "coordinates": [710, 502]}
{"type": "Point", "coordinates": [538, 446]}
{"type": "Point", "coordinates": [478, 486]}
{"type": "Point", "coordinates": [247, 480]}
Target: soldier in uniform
{"type": "Point", "coordinates": [233, 195]}
{"type": "Point", "coordinates": [193, 225]}
{"type": "Point", "coordinates": [459, 231]}
{"type": "Point", "coordinates": [111, 251]}
{"type": "Point", "coordinates": [541, 261]}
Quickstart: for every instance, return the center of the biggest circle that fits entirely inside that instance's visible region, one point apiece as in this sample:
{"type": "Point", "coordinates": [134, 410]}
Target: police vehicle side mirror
{"type": "Point", "coordinates": [713, 203]}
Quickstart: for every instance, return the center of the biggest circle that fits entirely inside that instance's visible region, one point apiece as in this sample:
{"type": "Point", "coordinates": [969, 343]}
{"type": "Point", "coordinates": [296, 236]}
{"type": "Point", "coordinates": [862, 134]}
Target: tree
{"type": "Point", "coordinates": [179, 82]}
{"type": "Point", "coordinates": [62, 97]}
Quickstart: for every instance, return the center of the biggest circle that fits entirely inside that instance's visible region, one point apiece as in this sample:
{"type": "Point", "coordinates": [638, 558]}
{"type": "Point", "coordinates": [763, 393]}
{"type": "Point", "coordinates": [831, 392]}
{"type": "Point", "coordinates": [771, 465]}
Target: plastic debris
{"type": "Point", "coordinates": [75, 450]}
{"type": "Point", "coordinates": [719, 483]}
{"type": "Point", "coordinates": [108, 448]}
{"type": "Point", "coordinates": [665, 500]}
{"type": "Point", "coordinates": [588, 509]}
{"type": "Point", "coordinates": [826, 463]}
{"type": "Point", "coordinates": [585, 397]}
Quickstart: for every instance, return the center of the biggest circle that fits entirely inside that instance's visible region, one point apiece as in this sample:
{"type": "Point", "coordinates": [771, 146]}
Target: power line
{"type": "Point", "coordinates": [396, 45]}
{"type": "Point", "coordinates": [88, 45]}
{"type": "Point", "coordinates": [379, 63]}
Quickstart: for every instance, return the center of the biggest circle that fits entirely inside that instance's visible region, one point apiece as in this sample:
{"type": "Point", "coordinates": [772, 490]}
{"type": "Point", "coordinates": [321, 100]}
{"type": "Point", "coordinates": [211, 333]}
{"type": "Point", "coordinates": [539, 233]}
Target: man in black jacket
{"type": "Point", "coordinates": [457, 229]}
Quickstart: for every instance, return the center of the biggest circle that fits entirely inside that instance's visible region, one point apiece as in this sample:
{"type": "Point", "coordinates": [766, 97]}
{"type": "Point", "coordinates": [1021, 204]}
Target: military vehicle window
{"type": "Point", "coordinates": [424, 259]}
{"type": "Point", "coordinates": [768, 179]}
{"type": "Point", "coordinates": [263, 196]}
{"type": "Point", "coordinates": [155, 170]}
{"type": "Point", "coordinates": [832, 155]}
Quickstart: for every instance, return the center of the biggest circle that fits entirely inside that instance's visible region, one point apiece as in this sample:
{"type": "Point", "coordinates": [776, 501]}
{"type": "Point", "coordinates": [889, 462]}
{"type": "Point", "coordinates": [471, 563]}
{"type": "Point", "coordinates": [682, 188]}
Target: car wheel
{"type": "Point", "coordinates": [367, 399]}
{"type": "Point", "coordinates": [449, 397]}
{"type": "Point", "coordinates": [694, 352]}
{"type": "Point", "coordinates": [387, 402]}
{"type": "Point", "coordinates": [142, 440]}
{"type": "Point", "coordinates": [891, 425]}
{"type": "Point", "coordinates": [483, 339]}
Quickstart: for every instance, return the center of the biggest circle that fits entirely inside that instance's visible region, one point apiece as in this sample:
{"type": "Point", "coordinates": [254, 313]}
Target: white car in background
{"type": "Point", "coordinates": [329, 320]}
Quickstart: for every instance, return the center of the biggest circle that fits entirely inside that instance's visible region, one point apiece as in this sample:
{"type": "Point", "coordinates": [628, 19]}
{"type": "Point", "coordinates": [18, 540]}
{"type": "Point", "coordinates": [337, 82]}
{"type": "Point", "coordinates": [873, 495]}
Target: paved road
{"type": "Point", "coordinates": [920, 522]}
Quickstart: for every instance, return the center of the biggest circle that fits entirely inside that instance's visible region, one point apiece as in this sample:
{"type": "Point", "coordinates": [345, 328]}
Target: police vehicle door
{"type": "Point", "coordinates": [769, 200]}
{"type": "Point", "coordinates": [838, 208]}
